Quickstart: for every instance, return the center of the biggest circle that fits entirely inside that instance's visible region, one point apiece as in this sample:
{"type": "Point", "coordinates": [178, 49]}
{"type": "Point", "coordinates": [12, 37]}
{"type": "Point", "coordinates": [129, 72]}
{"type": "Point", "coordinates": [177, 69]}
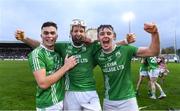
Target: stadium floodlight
{"type": "Point", "coordinates": [128, 17]}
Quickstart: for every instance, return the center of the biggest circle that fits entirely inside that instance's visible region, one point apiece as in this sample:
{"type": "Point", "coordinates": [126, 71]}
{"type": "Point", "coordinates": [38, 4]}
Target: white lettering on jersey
{"type": "Point", "coordinates": [112, 66]}
{"type": "Point", "coordinates": [80, 59]}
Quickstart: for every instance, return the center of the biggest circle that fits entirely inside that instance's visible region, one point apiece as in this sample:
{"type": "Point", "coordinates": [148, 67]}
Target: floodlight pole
{"type": "Point", "coordinates": [129, 25]}
{"type": "Point", "coordinates": [175, 42]}
{"type": "Point", "coordinates": [128, 18]}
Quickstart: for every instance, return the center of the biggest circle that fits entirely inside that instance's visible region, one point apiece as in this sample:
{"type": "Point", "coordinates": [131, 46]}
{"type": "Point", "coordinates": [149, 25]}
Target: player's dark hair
{"type": "Point", "coordinates": [102, 27]}
{"type": "Point", "coordinates": [48, 24]}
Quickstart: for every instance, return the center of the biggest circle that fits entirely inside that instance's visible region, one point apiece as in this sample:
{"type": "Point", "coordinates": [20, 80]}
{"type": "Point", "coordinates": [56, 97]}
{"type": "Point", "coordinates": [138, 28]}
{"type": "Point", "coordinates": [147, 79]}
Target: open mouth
{"type": "Point", "coordinates": [79, 38]}
{"type": "Point", "coordinates": [106, 41]}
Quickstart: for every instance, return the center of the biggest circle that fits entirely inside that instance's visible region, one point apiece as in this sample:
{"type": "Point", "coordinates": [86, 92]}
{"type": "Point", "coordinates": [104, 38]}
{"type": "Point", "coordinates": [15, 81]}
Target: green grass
{"type": "Point", "coordinates": [172, 89]}
{"type": "Point", "coordinates": [17, 87]}
{"type": "Point", "coordinates": [170, 86]}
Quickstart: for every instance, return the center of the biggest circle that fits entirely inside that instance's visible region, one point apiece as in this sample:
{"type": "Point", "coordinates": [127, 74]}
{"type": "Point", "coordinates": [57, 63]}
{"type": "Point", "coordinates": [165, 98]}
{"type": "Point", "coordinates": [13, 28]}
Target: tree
{"type": "Point", "coordinates": [168, 50]}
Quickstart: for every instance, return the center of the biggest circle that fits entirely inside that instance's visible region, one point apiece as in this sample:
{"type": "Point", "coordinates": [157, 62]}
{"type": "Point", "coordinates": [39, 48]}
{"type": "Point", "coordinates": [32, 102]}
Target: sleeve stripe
{"type": "Point", "coordinates": [35, 60]}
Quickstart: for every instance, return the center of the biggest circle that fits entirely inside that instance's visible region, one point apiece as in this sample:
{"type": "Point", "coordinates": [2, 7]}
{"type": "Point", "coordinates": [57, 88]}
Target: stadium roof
{"type": "Point", "coordinates": [11, 42]}
{"type": "Point", "coordinates": [22, 42]}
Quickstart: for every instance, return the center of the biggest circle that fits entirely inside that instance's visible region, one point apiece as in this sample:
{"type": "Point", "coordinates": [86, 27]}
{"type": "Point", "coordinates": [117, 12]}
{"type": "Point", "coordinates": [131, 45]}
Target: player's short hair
{"type": "Point", "coordinates": [48, 24]}
{"type": "Point", "coordinates": [102, 27]}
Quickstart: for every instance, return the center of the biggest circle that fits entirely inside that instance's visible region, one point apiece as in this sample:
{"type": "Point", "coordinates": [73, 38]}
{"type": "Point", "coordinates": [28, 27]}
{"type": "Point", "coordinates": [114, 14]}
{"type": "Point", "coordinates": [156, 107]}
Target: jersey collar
{"type": "Point", "coordinates": [106, 52]}
{"type": "Point", "coordinates": [75, 45]}
{"type": "Point", "coordinates": [41, 45]}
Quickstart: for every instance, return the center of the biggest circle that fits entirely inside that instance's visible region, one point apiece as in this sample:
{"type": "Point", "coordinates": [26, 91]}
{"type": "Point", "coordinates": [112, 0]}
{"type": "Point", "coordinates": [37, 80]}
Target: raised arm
{"type": "Point", "coordinates": [154, 48]}
{"type": "Point", "coordinates": [20, 35]}
{"type": "Point", "coordinates": [130, 38]}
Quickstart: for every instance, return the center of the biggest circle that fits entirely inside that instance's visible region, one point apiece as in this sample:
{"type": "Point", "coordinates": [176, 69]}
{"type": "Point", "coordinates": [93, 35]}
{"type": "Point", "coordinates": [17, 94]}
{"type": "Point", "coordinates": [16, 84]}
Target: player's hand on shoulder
{"type": "Point", "coordinates": [87, 40]}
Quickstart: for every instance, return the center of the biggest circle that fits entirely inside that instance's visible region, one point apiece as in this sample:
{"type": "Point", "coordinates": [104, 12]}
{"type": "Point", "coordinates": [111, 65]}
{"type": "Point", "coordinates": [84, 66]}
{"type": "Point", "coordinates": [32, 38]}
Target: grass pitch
{"type": "Point", "coordinates": [17, 87]}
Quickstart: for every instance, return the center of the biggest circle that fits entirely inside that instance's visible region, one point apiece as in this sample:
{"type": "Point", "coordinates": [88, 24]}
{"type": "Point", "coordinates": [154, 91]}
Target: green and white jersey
{"type": "Point", "coordinates": [80, 78]}
{"type": "Point", "coordinates": [152, 62]}
{"type": "Point", "coordinates": [116, 68]}
{"type": "Point", "coordinates": [42, 58]}
{"type": "Point", "coordinates": [144, 66]}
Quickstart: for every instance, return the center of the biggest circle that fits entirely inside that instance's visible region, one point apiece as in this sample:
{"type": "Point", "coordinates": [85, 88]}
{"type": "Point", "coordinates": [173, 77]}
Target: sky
{"type": "Point", "coordinates": [29, 15]}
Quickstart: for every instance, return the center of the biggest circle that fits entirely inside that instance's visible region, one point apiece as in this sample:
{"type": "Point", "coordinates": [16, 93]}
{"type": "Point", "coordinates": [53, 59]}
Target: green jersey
{"type": "Point", "coordinates": [144, 65]}
{"type": "Point", "coordinates": [42, 58]}
{"type": "Point", "coordinates": [80, 78]}
{"type": "Point", "coordinates": [116, 68]}
{"type": "Point", "coordinates": [152, 62]}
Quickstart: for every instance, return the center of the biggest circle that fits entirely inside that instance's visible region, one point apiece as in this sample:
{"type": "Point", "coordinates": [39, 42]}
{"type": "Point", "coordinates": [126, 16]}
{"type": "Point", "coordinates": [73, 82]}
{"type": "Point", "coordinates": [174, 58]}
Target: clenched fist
{"type": "Point", "coordinates": [130, 38]}
{"type": "Point", "coordinates": [19, 34]}
{"type": "Point", "coordinates": [150, 28]}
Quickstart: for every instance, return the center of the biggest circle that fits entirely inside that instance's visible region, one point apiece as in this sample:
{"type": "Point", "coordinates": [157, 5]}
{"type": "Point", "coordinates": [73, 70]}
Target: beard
{"type": "Point", "coordinates": [77, 41]}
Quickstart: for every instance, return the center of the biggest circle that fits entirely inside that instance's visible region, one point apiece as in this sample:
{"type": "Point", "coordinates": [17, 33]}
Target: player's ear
{"type": "Point", "coordinates": [97, 36]}
{"type": "Point", "coordinates": [114, 36]}
{"type": "Point", "coordinates": [56, 36]}
{"type": "Point", "coordinates": [71, 30]}
{"type": "Point", "coordinates": [70, 33]}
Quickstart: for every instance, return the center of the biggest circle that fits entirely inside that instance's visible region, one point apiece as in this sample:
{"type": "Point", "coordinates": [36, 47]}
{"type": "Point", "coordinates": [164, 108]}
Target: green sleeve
{"type": "Point", "coordinates": [36, 61]}
{"type": "Point", "coordinates": [133, 50]}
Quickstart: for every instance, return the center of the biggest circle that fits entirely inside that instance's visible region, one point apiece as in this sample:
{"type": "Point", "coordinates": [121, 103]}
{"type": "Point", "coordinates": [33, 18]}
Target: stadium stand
{"type": "Point", "coordinates": [14, 50]}
{"type": "Point", "coordinates": [171, 58]}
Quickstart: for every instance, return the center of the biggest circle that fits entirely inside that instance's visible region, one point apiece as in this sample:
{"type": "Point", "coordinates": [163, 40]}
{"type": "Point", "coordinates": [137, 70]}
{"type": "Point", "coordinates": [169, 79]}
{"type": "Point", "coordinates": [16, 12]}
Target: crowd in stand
{"type": "Point", "coordinates": [14, 53]}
